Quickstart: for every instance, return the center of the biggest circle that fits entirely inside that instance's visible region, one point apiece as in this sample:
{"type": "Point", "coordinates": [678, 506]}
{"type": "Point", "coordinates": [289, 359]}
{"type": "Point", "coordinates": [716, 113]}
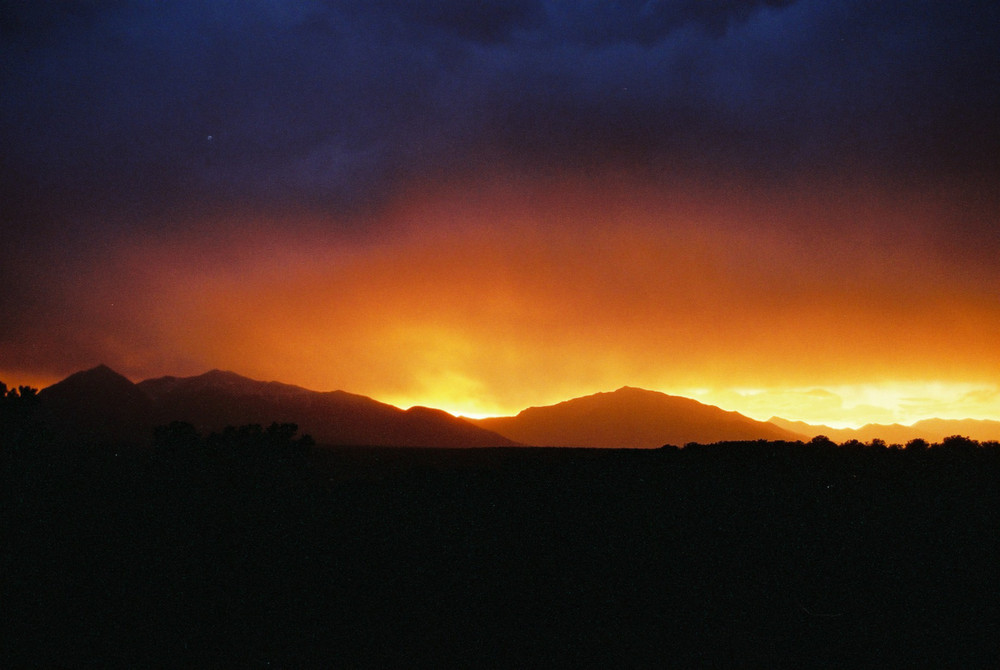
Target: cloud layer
{"type": "Point", "coordinates": [159, 106]}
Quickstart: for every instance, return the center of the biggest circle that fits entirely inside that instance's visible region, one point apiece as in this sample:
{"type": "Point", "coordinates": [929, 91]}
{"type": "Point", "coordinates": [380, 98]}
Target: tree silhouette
{"type": "Point", "coordinates": [20, 421]}
{"type": "Point", "coordinates": [254, 441]}
{"type": "Point", "coordinates": [959, 444]}
{"type": "Point", "coordinates": [822, 441]}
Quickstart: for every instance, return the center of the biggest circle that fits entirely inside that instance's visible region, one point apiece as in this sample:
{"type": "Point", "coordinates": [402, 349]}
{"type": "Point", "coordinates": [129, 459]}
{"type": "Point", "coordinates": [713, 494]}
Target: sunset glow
{"type": "Point", "coordinates": [572, 295]}
{"type": "Point", "coordinates": [498, 246]}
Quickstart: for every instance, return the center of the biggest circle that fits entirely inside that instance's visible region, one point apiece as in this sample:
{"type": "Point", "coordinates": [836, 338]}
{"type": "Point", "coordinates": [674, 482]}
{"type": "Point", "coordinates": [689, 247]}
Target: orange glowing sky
{"type": "Point", "coordinates": [782, 208]}
{"type": "Point", "coordinates": [564, 287]}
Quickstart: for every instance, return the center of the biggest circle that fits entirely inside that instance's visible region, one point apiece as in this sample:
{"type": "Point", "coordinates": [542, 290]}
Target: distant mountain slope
{"type": "Point", "coordinates": [100, 405]}
{"type": "Point", "coordinates": [216, 399]}
{"type": "Point", "coordinates": [97, 405]}
{"type": "Point", "coordinates": [632, 418]}
{"type": "Point", "coordinates": [932, 430]}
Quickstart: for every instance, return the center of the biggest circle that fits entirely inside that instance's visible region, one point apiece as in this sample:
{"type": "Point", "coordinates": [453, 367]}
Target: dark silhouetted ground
{"type": "Point", "coordinates": [744, 554]}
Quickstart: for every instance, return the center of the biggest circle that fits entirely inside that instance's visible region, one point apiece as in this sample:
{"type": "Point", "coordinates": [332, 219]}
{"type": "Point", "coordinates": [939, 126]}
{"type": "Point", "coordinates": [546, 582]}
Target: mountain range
{"type": "Point", "coordinates": [931, 430]}
{"type": "Point", "coordinates": [100, 404]}
{"type": "Point", "coordinates": [637, 418]}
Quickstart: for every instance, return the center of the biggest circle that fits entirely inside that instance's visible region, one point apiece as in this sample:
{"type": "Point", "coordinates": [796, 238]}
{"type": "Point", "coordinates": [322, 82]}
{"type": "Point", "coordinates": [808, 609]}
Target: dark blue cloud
{"type": "Point", "coordinates": [595, 23]}
{"type": "Point", "coordinates": [126, 110]}
{"type": "Point", "coordinates": [488, 22]}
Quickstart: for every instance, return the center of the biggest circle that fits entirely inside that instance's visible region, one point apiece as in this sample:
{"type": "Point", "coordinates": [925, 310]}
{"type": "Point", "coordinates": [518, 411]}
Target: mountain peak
{"type": "Point", "coordinates": [631, 418]}
{"type": "Point", "coordinates": [96, 377]}
{"type": "Point", "coordinates": [621, 390]}
{"type": "Point", "coordinates": [97, 404]}
{"type": "Point", "coordinates": [216, 374]}
{"type": "Point", "coordinates": [634, 392]}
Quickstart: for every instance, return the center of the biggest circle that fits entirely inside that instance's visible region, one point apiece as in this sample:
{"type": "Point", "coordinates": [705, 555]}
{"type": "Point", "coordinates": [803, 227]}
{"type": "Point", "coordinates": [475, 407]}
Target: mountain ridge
{"type": "Point", "coordinates": [99, 403]}
{"type": "Point", "coordinates": [931, 430]}
{"type": "Point", "coordinates": [631, 418]}
{"type": "Point", "coordinates": [218, 397]}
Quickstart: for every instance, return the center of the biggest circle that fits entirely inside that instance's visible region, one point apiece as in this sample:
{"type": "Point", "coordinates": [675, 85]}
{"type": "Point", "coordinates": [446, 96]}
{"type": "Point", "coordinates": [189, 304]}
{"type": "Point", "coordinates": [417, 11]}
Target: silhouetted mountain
{"type": "Point", "coordinates": [216, 399]}
{"type": "Point", "coordinates": [100, 405]}
{"type": "Point", "coordinates": [932, 430]}
{"type": "Point", "coordinates": [632, 418]}
{"type": "Point", "coordinates": [97, 405]}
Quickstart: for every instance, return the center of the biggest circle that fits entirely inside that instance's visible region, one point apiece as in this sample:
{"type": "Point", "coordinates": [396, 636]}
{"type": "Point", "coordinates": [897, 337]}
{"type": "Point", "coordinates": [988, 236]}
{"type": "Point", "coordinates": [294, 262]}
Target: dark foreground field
{"type": "Point", "coordinates": [743, 554]}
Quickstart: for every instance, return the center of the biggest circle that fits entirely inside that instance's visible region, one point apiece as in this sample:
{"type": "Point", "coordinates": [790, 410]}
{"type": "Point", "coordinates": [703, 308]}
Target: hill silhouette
{"type": "Point", "coordinates": [932, 430]}
{"type": "Point", "coordinates": [218, 398]}
{"type": "Point", "coordinates": [631, 418]}
{"type": "Point", "coordinates": [100, 405]}
{"type": "Point", "coordinates": [97, 405]}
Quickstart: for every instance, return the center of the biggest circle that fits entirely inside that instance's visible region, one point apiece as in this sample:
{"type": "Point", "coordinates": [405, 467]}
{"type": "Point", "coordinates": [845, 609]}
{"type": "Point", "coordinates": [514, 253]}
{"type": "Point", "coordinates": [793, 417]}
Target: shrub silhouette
{"type": "Point", "coordinates": [254, 436]}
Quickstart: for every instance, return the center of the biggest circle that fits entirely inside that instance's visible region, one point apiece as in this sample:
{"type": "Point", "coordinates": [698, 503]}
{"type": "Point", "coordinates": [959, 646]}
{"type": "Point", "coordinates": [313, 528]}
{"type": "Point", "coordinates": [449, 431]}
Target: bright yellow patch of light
{"type": "Point", "coordinates": [454, 403]}
{"type": "Point", "coordinates": [854, 405]}
{"type": "Point", "coordinates": [438, 380]}
{"type": "Point", "coordinates": [836, 406]}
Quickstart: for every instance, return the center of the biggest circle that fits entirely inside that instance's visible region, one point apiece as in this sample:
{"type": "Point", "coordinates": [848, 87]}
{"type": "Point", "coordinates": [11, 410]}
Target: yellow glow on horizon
{"type": "Point", "coordinates": [854, 405]}
{"type": "Point", "coordinates": [488, 297]}
{"type": "Point", "coordinates": [15, 378]}
{"type": "Point", "coordinates": [460, 409]}
{"type": "Point", "coordinates": [838, 406]}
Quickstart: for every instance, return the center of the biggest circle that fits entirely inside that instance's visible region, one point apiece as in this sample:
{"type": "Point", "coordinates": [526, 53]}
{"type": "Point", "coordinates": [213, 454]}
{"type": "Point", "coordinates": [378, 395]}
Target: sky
{"type": "Point", "coordinates": [780, 207]}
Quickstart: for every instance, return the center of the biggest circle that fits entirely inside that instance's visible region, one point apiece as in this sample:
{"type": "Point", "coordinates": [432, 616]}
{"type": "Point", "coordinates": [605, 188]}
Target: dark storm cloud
{"type": "Point", "coordinates": [127, 111]}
